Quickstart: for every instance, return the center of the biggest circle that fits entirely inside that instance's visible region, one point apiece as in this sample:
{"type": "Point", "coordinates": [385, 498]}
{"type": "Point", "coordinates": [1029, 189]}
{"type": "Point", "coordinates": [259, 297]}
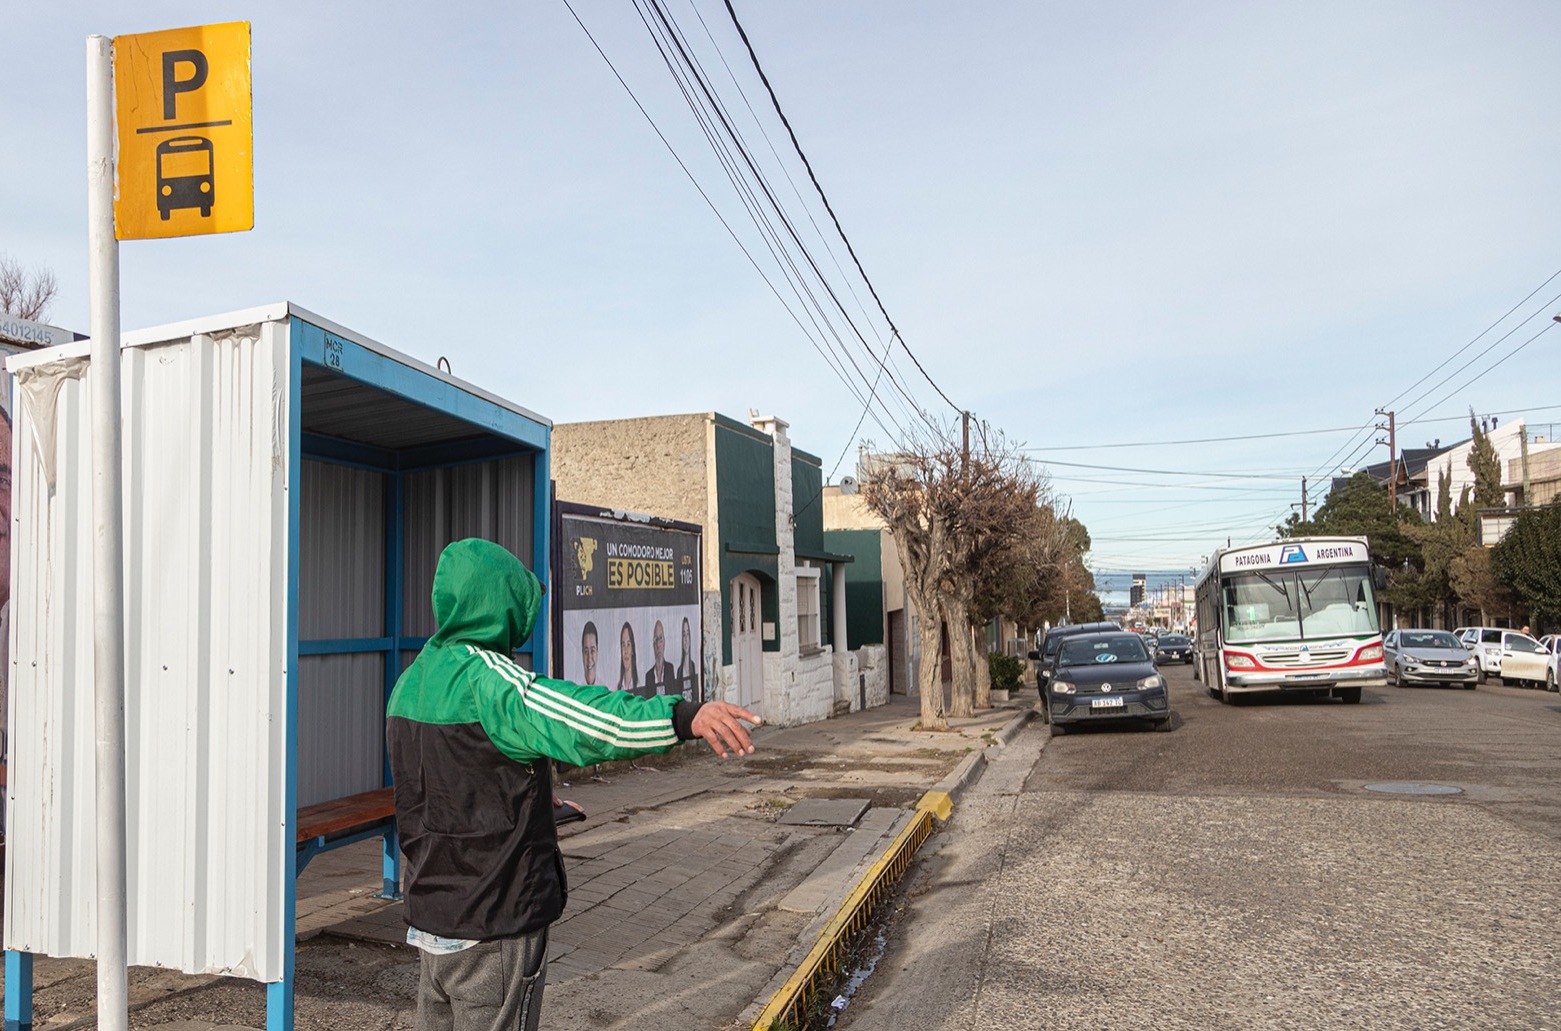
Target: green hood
{"type": "Point", "coordinates": [484, 596]}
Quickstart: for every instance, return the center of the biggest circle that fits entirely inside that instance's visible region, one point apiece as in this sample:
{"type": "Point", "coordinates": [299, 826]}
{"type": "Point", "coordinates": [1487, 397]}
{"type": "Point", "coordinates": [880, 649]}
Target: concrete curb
{"type": "Point", "coordinates": [1012, 728]}
{"type": "Point", "coordinates": [966, 773]}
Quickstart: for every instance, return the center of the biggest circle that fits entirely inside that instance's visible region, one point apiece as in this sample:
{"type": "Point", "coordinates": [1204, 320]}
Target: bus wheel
{"type": "Point", "coordinates": [1349, 695]}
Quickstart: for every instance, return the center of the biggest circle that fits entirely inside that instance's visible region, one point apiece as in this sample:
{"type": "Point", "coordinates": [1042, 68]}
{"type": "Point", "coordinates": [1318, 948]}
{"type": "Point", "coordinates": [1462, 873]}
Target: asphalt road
{"type": "Point", "coordinates": [1238, 873]}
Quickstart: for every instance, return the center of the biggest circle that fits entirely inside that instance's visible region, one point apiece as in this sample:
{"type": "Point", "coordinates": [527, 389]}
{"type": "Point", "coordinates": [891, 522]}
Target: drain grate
{"type": "Point", "coordinates": [1413, 788]}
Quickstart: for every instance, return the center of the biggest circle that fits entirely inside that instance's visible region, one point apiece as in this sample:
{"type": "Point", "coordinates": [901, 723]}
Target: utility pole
{"type": "Point", "coordinates": [1303, 499]}
{"type": "Point", "coordinates": [1392, 443]}
{"type": "Point", "coordinates": [1527, 497]}
{"type": "Point", "coordinates": [964, 453]}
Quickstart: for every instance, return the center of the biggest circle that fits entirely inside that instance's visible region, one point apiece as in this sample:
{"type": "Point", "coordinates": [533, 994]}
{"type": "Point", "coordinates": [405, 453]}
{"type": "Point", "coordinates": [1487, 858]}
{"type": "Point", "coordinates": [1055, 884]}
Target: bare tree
{"type": "Point", "coordinates": [907, 491]}
{"type": "Point", "coordinates": [993, 505]}
{"type": "Point", "coordinates": [23, 293]}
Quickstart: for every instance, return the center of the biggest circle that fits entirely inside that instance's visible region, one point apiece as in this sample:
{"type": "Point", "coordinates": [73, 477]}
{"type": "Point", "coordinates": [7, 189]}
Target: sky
{"type": "Point", "coordinates": [1103, 229]}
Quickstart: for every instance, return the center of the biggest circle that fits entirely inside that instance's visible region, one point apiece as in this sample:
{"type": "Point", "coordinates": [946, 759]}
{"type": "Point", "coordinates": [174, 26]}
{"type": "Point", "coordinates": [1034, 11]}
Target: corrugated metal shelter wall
{"type": "Point", "coordinates": [493, 500]}
{"type": "Point", "coordinates": [206, 560]}
{"type": "Point", "coordinates": [341, 596]}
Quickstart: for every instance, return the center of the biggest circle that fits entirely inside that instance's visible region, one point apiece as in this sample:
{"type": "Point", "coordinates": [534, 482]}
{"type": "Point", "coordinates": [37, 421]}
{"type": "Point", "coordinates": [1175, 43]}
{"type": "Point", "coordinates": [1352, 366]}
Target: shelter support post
{"type": "Point", "coordinates": [391, 864]}
{"type": "Point", "coordinates": [18, 991]}
{"type": "Point", "coordinates": [279, 1003]}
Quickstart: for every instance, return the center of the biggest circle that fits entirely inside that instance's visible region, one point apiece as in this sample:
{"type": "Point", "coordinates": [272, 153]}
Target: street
{"type": "Point", "coordinates": [1238, 873]}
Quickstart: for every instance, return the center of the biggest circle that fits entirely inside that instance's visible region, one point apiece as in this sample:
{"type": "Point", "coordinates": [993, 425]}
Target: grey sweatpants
{"type": "Point", "coordinates": [493, 986]}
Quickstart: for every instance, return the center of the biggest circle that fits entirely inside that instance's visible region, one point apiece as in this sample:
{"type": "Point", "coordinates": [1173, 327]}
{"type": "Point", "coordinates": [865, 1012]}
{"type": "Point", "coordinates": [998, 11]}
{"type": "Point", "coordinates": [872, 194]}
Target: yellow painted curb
{"type": "Point", "coordinates": [794, 998]}
{"type": "Point", "coordinates": [938, 803]}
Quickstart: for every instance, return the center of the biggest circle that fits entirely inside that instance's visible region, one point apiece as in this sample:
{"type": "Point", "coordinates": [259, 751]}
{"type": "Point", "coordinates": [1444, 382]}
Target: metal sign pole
{"type": "Point", "coordinates": [108, 539]}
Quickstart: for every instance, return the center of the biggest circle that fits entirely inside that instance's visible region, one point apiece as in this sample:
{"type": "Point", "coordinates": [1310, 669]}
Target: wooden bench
{"type": "Point", "coordinates": [342, 821]}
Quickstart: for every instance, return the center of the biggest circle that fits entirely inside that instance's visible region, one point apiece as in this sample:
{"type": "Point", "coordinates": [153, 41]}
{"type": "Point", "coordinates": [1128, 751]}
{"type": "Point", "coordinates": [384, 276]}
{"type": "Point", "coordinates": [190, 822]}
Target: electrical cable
{"type": "Point", "coordinates": [1195, 440]}
{"type": "Point", "coordinates": [705, 196]}
{"type": "Point", "coordinates": [1492, 367]}
{"type": "Point", "coordinates": [774, 100]}
{"type": "Point", "coordinates": [689, 73]}
{"type": "Point", "coordinates": [1471, 343]}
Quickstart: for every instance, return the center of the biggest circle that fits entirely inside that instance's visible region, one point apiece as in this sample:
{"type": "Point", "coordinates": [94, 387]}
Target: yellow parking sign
{"type": "Point", "coordinates": [185, 132]}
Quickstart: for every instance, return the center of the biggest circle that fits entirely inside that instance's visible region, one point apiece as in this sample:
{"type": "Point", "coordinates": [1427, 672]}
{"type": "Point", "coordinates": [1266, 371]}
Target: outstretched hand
{"type": "Point", "coordinates": [718, 723]}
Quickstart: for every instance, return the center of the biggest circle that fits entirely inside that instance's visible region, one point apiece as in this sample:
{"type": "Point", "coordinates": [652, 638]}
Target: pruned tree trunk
{"type": "Point", "coordinates": [983, 667]}
{"type": "Point", "coordinates": [962, 697]}
{"type": "Point", "coordinates": [930, 675]}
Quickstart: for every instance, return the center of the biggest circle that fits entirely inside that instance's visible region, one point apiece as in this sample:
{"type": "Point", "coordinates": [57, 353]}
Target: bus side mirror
{"type": "Point", "coordinates": [1379, 577]}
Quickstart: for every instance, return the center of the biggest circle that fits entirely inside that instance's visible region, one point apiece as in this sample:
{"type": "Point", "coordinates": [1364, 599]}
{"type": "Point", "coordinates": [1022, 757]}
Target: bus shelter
{"type": "Point", "coordinates": [289, 485]}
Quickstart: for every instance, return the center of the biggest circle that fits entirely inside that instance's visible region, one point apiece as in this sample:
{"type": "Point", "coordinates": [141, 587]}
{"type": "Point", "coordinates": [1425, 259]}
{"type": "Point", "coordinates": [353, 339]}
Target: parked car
{"type": "Point", "coordinates": [1103, 677]}
{"type": "Point", "coordinates": [1552, 645]}
{"type": "Point", "coordinates": [1047, 652]}
{"type": "Point", "coordinates": [1429, 657]}
{"type": "Point", "coordinates": [1511, 655]}
{"type": "Point", "coordinates": [1173, 648]}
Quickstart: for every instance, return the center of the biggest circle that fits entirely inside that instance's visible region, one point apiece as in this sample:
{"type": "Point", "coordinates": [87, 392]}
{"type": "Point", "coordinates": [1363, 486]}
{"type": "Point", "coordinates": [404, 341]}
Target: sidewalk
{"type": "Point", "coordinates": [696, 885]}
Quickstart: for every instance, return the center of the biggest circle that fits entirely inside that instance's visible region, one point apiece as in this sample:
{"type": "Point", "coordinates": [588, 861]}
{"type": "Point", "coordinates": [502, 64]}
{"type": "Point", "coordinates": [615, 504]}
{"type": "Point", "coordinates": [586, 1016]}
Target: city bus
{"type": "Point", "coordinates": [1291, 616]}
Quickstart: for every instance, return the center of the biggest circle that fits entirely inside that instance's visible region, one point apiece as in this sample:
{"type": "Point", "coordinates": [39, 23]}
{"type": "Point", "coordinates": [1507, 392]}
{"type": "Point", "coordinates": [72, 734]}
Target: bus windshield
{"type": "Point", "coordinates": [1299, 605]}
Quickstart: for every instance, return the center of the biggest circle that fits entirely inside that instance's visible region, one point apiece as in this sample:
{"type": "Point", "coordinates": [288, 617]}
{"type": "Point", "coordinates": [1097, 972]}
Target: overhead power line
{"type": "Point", "coordinates": [1432, 372]}
{"type": "Point", "coordinates": [1194, 440]}
{"type": "Point", "coordinates": [774, 100]}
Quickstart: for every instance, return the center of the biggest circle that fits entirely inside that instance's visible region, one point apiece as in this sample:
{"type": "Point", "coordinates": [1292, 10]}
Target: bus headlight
{"type": "Point", "coordinates": [1239, 662]}
{"type": "Point", "coordinates": [1370, 652]}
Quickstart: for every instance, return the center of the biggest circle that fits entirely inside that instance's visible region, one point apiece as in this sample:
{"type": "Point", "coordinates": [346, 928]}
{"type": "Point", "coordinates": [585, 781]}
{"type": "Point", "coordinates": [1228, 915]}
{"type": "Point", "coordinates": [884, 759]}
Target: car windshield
{"type": "Point", "coordinates": [1306, 604]}
{"type": "Point", "coordinates": [1174, 641]}
{"type": "Point", "coordinates": [1087, 651]}
{"type": "Point", "coordinates": [1429, 639]}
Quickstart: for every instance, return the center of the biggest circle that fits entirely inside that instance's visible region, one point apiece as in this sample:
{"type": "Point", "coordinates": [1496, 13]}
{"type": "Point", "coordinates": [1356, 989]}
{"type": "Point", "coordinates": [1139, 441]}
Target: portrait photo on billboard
{"type": "Point", "coordinates": [628, 604]}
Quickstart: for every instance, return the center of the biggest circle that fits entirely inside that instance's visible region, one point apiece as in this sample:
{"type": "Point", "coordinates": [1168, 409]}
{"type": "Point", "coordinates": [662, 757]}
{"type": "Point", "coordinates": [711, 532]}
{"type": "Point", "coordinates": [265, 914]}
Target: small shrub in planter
{"type": "Point", "coordinates": [1005, 670]}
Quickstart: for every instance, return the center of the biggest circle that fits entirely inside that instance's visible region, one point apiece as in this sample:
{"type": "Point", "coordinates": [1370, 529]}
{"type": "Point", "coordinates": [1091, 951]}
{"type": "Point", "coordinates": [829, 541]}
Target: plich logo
{"type": "Point", "coordinates": [585, 555]}
{"type": "Point", "coordinates": [1291, 553]}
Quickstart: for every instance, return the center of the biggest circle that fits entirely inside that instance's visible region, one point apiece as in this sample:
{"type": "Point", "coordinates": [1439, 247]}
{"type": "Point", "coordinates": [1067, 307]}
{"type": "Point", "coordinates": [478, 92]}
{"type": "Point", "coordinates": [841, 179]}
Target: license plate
{"type": "Point", "coordinates": [1105, 703]}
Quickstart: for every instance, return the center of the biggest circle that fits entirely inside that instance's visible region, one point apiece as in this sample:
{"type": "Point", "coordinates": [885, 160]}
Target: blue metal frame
{"type": "Point", "coordinates": [279, 994]}
{"type": "Point", "coordinates": [395, 532]}
{"type": "Point", "coordinates": [18, 991]}
{"type": "Point", "coordinates": [512, 435]}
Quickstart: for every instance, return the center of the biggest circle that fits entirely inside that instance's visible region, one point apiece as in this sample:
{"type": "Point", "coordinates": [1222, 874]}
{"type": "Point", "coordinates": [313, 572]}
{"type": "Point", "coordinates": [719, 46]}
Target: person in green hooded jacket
{"type": "Point", "coordinates": [470, 735]}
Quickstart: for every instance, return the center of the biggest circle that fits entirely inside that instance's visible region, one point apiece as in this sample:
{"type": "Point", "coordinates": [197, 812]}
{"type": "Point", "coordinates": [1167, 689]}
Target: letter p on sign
{"type": "Point", "coordinates": [183, 114]}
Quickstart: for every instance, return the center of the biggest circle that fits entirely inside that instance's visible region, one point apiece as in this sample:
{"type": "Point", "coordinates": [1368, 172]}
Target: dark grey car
{"type": "Point", "coordinates": [1104, 677]}
{"type": "Point", "coordinates": [1173, 648]}
{"type": "Point", "coordinates": [1428, 657]}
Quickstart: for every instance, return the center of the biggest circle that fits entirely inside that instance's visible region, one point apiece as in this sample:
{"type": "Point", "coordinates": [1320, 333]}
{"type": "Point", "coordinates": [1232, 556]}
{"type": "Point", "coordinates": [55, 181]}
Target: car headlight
{"type": "Point", "coordinates": [1471, 661]}
{"type": "Point", "coordinates": [1372, 652]}
{"type": "Point", "coordinates": [1238, 662]}
{"type": "Point", "coordinates": [1155, 681]}
{"type": "Point", "coordinates": [1062, 687]}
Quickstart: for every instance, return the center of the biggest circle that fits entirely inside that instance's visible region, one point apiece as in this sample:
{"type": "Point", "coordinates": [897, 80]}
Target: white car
{"type": "Point", "coordinates": [1552, 645]}
{"type": "Point", "coordinates": [1509, 654]}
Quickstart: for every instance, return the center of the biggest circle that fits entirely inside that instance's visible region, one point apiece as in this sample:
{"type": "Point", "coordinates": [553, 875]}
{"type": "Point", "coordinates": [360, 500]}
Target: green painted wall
{"type": "Point", "coordinates": [864, 583]}
{"type": "Point", "coordinates": [745, 509]}
{"type": "Point", "coordinates": [807, 502]}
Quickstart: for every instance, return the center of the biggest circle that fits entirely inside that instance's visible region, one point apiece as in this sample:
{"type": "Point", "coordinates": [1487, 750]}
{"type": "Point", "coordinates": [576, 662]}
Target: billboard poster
{"type": "Point", "coordinates": [627, 592]}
